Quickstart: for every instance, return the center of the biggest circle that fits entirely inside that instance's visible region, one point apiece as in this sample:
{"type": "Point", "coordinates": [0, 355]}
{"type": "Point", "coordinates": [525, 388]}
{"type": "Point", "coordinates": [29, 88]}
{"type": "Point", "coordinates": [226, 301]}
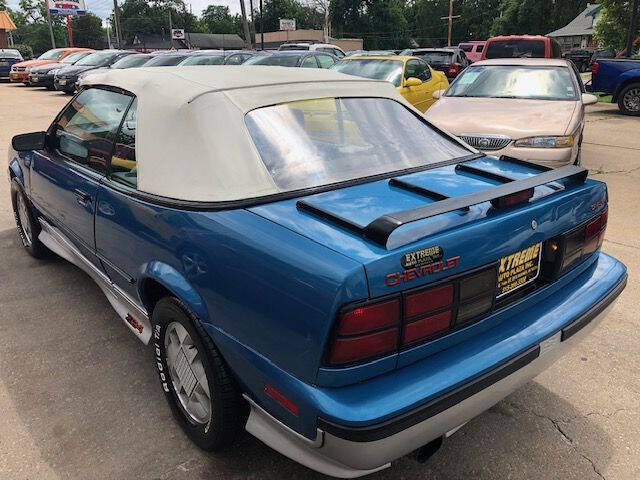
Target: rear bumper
{"type": "Point", "coordinates": [348, 451]}
{"type": "Point", "coordinates": [41, 79]}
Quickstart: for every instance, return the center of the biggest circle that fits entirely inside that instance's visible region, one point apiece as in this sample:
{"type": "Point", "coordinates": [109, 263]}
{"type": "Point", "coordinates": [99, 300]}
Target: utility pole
{"type": "Point", "coordinates": [450, 18]}
{"type": "Point", "coordinates": [253, 25]}
{"type": "Point", "coordinates": [108, 36]}
{"type": "Point", "coordinates": [632, 28]}
{"type": "Point", "coordinates": [261, 28]}
{"type": "Point", "coordinates": [116, 23]}
{"type": "Point", "coordinates": [247, 35]}
{"type": "Point", "coordinates": [170, 28]}
{"type": "Point", "coordinates": [53, 39]}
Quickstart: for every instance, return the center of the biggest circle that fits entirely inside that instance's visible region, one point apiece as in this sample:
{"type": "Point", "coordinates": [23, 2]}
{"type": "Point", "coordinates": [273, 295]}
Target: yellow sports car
{"type": "Point", "coordinates": [413, 77]}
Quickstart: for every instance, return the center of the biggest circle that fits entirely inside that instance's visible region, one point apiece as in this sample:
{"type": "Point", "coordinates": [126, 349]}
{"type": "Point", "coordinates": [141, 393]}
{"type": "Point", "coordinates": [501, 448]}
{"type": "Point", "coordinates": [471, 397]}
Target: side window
{"type": "Point", "coordinates": [578, 77]}
{"type": "Point", "coordinates": [338, 53]}
{"type": "Point", "coordinates": [85, 132]}
{"type": "Point", "coordinates": [310, 62]}
{"type": "Point", "coordinates": [123, 162]}
{"type": "Point", "coordinates": [236, 59]}
{"type": "Point", "coordinates": [555, 49]}
{"type": "Point", "coordinates": [479, 48]}
{"type": "Point", "coordinates": [325, 61]}
{"type": "Point", "coordinates": [417, 69]}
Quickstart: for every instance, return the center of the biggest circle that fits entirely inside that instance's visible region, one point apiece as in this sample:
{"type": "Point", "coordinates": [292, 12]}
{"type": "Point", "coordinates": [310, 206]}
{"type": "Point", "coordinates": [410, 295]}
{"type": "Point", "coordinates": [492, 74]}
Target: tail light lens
{"type": "Point", "coordinates": [564, 252]}
{"type": "Point", "coordinates": [594, 68]}
{"type": "Point", "coordinates": [365, 332]}
{"type": "Point", "coordinates": [454, 69]}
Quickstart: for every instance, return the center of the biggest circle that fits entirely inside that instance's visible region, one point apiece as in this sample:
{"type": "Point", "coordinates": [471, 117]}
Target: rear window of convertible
{"type": "Point", "coordinates": [311, 143]}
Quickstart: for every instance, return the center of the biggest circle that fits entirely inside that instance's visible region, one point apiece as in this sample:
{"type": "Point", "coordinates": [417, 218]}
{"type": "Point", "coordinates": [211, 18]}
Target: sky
{"type": "Point", "coordinates": [104, 8]}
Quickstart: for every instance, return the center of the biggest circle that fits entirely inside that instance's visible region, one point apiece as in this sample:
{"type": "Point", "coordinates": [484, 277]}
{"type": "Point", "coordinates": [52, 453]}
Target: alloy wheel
{"type": "Point", "coordinates": [187, 373]}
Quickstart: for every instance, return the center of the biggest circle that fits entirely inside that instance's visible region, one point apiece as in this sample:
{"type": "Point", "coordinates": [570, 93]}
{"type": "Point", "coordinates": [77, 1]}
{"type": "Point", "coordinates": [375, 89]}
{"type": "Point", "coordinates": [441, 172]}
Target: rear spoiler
{"type": "Point", "coordinates": [380, 229]}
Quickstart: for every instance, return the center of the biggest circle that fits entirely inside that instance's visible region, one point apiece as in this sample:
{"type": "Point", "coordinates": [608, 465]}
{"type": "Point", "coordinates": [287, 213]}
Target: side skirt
{"type": "Point", "coordinates": [133, 315]}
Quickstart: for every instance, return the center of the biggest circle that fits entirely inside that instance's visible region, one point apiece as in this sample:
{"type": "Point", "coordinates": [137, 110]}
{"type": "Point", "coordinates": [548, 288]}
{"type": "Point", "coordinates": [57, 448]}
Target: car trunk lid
{"type": "Point", "coordinates": [447, 243]}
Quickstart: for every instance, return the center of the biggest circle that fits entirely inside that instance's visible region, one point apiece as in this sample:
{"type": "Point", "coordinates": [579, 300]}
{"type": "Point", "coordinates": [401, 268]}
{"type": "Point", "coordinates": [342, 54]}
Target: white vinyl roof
{"type": "Point", "coordinates": [191, 138]}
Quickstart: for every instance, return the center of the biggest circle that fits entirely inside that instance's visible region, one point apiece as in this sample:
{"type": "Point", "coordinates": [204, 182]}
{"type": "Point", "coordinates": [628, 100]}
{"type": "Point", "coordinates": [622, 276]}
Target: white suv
{"type": "Point", "coordinates": [317, 47]}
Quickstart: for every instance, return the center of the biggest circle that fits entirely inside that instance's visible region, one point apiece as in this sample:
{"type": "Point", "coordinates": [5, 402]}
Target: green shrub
{"type": "Point", "coordinates": [25, 50]}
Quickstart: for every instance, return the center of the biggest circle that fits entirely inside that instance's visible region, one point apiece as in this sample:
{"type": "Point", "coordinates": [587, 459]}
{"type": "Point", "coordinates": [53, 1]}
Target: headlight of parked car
{"type": "Point", "coordinates": [545, 142]}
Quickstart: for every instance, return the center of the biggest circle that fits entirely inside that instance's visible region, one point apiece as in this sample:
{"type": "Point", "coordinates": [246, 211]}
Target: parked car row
{"type": "Point", "coordinates": [311, 259]}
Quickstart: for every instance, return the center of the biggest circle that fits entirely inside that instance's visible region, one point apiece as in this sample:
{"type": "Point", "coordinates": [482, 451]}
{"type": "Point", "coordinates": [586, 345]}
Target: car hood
{"type": "Point", "coordinates": [515, 118]}
{"type": "Point", "coordinates": [34, 63]}
{"type": "Point", "coordinates": [76, 69]}
{"type": "Point", "coordinates": [47, 68]}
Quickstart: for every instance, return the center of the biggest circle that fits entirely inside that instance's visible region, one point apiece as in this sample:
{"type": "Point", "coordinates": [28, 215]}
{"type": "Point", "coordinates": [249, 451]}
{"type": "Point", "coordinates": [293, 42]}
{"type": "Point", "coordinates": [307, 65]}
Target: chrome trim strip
{"type": "Point", "coordinates": [122, 303]}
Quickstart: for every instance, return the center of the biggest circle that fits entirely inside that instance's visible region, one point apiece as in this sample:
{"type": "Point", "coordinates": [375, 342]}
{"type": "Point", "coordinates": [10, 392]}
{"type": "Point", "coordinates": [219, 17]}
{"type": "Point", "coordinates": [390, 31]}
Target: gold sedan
{"type": "Point", "coordinates": [413, 77]}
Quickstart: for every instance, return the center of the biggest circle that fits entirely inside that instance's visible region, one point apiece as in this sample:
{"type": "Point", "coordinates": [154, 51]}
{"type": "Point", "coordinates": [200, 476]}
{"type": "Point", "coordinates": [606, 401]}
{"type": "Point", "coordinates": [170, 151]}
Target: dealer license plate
{"type": "Point", "coordinates": [34, 79]}
{"type": "Point", "coordinates": [62, 82]}
{"type": "Point", "coordinates": [4, 64]}
{"type": "Point", "coordinates": [518, 269]}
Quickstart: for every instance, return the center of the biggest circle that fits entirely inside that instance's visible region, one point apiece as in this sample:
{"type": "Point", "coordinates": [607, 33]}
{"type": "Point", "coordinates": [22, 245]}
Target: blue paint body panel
{"type": "Point", "coordinates": [268, 281]}
{"type": "Point", "coordinates": [613, 75]}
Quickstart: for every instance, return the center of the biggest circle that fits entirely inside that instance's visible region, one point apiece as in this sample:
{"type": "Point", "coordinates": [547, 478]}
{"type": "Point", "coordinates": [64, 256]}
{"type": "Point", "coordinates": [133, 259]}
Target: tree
{"type": "Point", "coordinates": [305, 16]}
{"type": "Point", "coordinates": [152, 17]}
{"type": "Point", "coordinates": [87, 31]}
{"type": "Point", "coordinates": [32, 27]}
{"type": "Point", "coordinates": [612, 28]}
{"type": "Point", "coordinates": [218, 19]}
{"type": "Point", "coordinates": [535, 17]}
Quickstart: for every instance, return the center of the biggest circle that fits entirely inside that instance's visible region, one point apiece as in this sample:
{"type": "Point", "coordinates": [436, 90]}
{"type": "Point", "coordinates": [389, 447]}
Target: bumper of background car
{"type": "Point", "coordinates": [19, 77]}
{"type": "Point", "coordinates": [65, 84]}
{"type": "Point", "coordinates": [348, 451]}
{"type": "Point", "coordinates": [41, 79]}
{"type": "Point", "coordinates": [550, 157]}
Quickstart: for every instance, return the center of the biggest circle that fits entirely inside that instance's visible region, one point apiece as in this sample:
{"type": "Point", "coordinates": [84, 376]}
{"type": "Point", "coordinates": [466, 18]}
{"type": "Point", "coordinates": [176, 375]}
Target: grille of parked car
{"type": "Point", "coordinates": [486, 142]}
{"type": "Point", "coordinates": [18, 69]}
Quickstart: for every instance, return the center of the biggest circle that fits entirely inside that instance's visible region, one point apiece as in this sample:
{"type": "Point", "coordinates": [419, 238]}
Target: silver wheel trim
{"type": "Point", "coordinates": [187, 373]}
{"type": "Point", "coordinates": [631, 100]}
{"type": "Point", "coordinates": [23, 215]}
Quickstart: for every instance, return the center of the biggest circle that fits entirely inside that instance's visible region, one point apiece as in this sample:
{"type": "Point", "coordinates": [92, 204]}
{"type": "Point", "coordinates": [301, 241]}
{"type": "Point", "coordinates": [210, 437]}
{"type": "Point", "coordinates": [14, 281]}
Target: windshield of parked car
{"type": "Point", "coordinates": [131, 61]}
{"type": "Point", "coordinates": [96, 59]}
{"type": "Point", "coordinates": [515, 81]}
{"type": "Point", "coordinates": [466, 47]}
{"type": "Point", "coordinates": [516, 49]}
{"type": "Point", "coordinates": [442, 57]}
{"type": "Point", "coordinates": [377, 69]}
{"type": "Point", "coordinates": [276, 60]}
{"type": "Point", "coordinates": [204, 60]}
{"type": "Point", "coordinates": [165, 60]}
{"type": "Point", "coordinates": [74, 57]}
{"type": "Point", "coordinates": [51, 55]}
{"type": "Point", "coordinates": [311, 143]}
{"type": "Point", "coordinates": [9, 53]}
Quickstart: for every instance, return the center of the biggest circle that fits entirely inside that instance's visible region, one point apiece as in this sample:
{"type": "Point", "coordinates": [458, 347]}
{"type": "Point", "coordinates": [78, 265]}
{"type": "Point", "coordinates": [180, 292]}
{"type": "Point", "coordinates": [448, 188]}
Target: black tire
{"type": "Point", "coordinates": [228, 409]}
{"type": "Point", "coordinates": [29, 232]}
{"type": "Point", "coordinates": [632, 91]}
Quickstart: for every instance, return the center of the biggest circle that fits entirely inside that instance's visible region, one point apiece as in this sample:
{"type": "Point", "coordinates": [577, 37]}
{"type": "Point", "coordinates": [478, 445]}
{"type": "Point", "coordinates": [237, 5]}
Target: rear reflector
{"type": "Point", "coordinates": [428, 300]}
{"type": "Point", "coordinates": [281, 399]}
{"type": "Point", "coordinates": [425, 327]}
{"type": "Point", "coordinates": [352, 349]}
{"type": "Point", "coordinates": [594, 68]}
{"type": "Point", "coordinates": [370, 317]}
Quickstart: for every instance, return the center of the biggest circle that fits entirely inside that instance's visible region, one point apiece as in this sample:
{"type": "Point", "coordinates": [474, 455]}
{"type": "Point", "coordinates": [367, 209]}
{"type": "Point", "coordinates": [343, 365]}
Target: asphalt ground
{"type": "Point", "coordinates": [79, 397]}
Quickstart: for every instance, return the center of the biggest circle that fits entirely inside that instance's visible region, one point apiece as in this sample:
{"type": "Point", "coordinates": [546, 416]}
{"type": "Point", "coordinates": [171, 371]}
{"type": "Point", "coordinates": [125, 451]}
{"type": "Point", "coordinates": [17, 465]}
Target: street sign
{"type": "Point", "coordinates": [177, 33]}
{"type": "Point", "coordinates": [287, 24]}
{"type": "Point", "coordinates": [67, 7]}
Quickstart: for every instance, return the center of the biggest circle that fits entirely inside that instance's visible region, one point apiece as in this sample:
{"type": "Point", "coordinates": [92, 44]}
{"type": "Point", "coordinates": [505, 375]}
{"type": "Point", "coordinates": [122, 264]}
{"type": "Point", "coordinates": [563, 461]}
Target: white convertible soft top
{"type": "Point", "coordinates": [191, 138]}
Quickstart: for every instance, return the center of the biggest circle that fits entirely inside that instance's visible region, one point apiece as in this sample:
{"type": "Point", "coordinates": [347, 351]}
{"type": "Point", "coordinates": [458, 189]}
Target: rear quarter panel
{"type": "Point", "coordinates": [264, 286]}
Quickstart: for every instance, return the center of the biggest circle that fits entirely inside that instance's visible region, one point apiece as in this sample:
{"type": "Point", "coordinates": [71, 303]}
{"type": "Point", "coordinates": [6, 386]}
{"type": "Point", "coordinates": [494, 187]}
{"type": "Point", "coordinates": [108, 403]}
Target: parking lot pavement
{"type": "Point", "coordinates": [79, 397]}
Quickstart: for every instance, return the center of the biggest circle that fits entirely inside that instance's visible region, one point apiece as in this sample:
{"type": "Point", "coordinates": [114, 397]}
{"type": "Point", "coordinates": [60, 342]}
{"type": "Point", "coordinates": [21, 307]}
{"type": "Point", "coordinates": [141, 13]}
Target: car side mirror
{"type": "Point", "coordinates": [29, 141]}
{"type": "Point", "coordinates": [437, 94]}
{"type": "Point", "coordinates": [412, 82]}
{"type": "Point", "coordinates": [588, 99]}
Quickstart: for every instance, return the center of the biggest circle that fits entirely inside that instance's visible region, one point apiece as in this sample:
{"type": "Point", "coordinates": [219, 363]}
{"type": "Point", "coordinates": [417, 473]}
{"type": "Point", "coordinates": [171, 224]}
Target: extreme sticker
{"type": "Point", "coordinates": [518, 269]}
{"type": "Point", "coordinates": [425, 256]}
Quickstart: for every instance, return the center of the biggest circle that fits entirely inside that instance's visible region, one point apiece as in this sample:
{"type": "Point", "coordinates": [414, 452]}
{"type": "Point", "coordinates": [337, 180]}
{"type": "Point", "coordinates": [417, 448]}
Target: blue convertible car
{"type": "Point", "coordinates": [310, 259]}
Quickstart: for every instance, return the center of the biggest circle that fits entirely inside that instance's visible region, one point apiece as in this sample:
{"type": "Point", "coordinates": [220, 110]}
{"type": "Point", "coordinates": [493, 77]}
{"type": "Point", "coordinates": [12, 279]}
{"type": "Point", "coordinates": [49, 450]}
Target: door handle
{"type": "Point", "coordinates": [83, 198]}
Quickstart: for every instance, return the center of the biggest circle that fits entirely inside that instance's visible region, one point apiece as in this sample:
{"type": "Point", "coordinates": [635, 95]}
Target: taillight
{"type": "Point", "coordinates": [565, 251]}
{"type": "Point", "coordinates": [365, 332]}
{"type": "Point", "coordinates": [454, 69]}
{"type": "Point", "coordinates": [380, 328]}
{"type": "Point", "coordinates": [594, 68]}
